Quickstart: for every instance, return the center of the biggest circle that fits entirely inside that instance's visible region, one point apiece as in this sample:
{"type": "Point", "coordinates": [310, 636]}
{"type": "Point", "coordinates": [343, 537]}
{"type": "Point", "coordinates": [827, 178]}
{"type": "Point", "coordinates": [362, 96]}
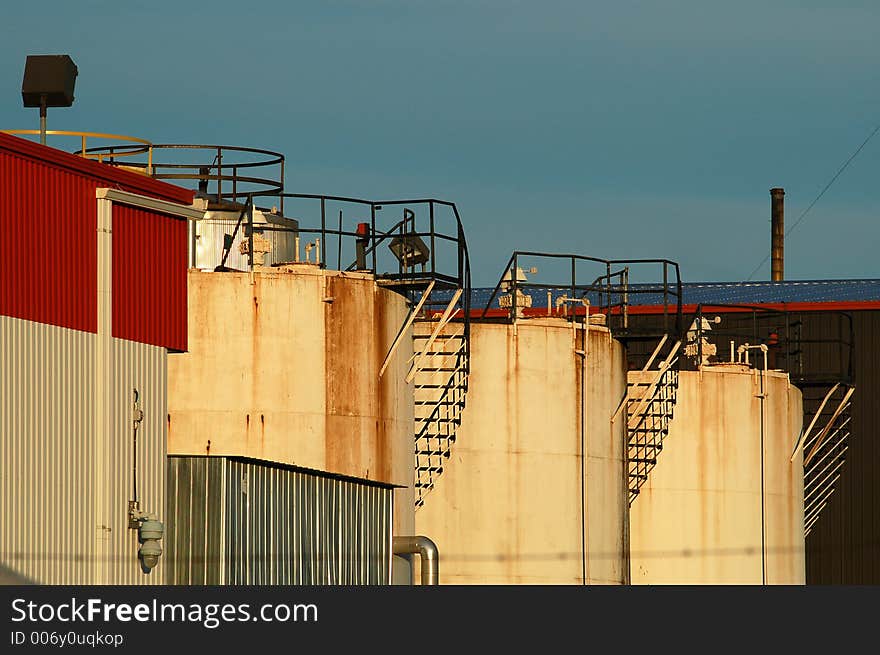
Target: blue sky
{"type": "Point", "coordinates": [616, 129]}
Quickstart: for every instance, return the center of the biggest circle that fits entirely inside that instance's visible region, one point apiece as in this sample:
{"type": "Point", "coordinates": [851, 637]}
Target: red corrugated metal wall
{"type": "Point", "coordinates": [48, 266]}
{"type": "Point", "coordinates": [149, 277]}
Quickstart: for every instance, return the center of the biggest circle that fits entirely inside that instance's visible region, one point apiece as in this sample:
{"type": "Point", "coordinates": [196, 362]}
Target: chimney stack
{"type": "Point", "coordinates": [777, 234]}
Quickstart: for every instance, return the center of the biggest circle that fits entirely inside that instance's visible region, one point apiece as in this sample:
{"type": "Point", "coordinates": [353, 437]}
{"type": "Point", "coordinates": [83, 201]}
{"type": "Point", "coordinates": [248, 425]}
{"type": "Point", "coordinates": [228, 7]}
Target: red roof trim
{"type": "Point", "coordinates": [115, 177]}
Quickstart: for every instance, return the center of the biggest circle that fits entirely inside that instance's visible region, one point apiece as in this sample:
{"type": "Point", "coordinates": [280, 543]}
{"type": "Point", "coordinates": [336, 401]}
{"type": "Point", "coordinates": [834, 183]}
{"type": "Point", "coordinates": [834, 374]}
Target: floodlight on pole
{"type": "Point", "coordinates": [48, 82]}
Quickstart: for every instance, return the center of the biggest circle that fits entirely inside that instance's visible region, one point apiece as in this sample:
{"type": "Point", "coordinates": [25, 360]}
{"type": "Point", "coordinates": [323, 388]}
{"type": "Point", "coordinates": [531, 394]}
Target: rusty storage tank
{"type": "Point", "coordinates": [309, 364]}
{"type": "Point", "coordinates": [283, 366]}
{"type": "Point", "coordinates": [724, 503]}
{"type": "Point", "coordinates": [518, 502]}
{"type": "Point", "coordinates": [534, 489]}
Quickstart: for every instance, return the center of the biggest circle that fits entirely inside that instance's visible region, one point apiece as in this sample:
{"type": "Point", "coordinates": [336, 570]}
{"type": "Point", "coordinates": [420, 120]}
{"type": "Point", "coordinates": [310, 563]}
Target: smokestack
{"type": "Point", "coordinates": [777, 234]}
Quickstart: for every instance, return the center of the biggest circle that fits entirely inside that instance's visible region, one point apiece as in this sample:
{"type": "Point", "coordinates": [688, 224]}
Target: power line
{"type": "Point", "coordinates": [821, 193]}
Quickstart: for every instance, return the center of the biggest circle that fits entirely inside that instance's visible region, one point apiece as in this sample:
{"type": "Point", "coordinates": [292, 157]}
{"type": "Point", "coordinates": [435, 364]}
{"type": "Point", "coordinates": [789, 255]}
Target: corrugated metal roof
{"type": "Point", "coordinates": [694, 293]}
{"type": "Point", "coordinates": [788, 291]}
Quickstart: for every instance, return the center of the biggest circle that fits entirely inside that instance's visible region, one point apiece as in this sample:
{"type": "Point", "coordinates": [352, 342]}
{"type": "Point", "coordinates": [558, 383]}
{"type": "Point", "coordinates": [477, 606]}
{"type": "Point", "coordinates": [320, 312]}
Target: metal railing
{"type": "Point", "coordinates": [131, 146]}
{"type": "Point", "coordinates": [608, 288]}
{"type": "Point", "coordinates": [810, 358]}
{"type": "Point", "coordinates": [223, 174]}
{"type": "Point", "coordinates": [416, 248]}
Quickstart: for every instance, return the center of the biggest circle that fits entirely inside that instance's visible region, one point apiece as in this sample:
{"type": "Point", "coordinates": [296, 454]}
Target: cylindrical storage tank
{"type": "Point", "coordinates": [517, 502]}
{"type": "Point", "coordinates": [283, 366]}
{"type": "Point", "coordinates": [724, 503]}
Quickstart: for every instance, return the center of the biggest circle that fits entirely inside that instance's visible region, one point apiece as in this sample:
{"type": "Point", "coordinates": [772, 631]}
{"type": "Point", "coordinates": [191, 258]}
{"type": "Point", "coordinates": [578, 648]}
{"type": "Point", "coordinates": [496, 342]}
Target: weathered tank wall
{"type": "Point", "coordinates": [508, 507]}
{"type": "Point", "coordinates": [698, 518]}
{"type": "Point", "coordinates": [283, 365]}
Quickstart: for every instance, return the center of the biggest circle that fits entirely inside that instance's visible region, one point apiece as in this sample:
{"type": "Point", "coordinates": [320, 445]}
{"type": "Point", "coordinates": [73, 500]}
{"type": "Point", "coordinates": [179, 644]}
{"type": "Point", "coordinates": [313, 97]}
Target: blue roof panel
{"type": "Point", "coordinates": [695, 293]}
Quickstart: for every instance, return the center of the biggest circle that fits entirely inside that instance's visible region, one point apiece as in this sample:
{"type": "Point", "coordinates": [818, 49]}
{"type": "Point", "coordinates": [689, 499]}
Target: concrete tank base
{"type": "Point", "coordinates": [720, 508]}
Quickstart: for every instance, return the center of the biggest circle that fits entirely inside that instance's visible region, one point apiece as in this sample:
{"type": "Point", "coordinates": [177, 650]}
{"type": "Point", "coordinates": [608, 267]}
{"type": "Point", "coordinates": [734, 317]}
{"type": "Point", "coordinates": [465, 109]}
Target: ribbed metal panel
{"type": "Point", "coordinates": [49, 486]}
{"type": "Point", "coordinates": [46, 468]}
{"type": "Point", "coordinates": [47, 237]}
{"type": "Point", "coordinates": [844, 545]}
{"type": "Point", "coordinates": [243, 522]}
{"type": "Point", "coordinates": [104, 175]}
{"type": "Point", "coordinates": [48, 220]}
{"type": "Point", "coordinates": [149, 277]}
{"type": "Point", "coordinates": [142, 367]}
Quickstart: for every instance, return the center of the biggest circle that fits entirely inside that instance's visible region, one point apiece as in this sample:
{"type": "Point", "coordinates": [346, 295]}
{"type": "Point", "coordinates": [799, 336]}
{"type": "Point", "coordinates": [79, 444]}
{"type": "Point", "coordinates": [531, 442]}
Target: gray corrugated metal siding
{"type": "Point", "coordinates": [49, 487]}
{"type": "Point", "coordinates": [244, 522]}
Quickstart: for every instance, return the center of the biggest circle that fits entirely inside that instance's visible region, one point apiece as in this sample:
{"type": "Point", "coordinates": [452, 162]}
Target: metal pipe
{"type": "Point", "coordinates": [777, 234]}
{"type": "Point", "coordinates": [426, 550]}
{"type": "Point", "coordinates": [585, 332]}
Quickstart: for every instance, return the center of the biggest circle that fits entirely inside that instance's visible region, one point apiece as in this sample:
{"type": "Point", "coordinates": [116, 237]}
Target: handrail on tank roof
{"type": "Point", "coordinates": [779, 329]}
{"type": "Point", "coordinates": [602, 284]}
{"type": "Point", "coordinates": [218, 169]}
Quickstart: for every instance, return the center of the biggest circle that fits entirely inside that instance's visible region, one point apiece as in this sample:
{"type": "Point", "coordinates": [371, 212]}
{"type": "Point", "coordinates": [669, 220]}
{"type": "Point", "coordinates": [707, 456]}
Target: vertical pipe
{"type": "Point", "coordinates": [777, 234]}
{"type": "Point", "coordinates": [763, 501]}
{"type": "Point", "coordinates": [584, 531]}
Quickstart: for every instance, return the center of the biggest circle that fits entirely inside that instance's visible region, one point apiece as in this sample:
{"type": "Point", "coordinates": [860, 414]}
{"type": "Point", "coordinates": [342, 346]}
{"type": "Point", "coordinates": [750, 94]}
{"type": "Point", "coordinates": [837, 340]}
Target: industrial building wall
{"type": "Point", "coordinates": [46, 465]}
{"type": "Point", "coordinates": [50, 275]}
{"type": "Point", "coordinates": [142, 367]}
{"type": "Point", "coordinates": [63, 496]}
{"type": "Point", "coordinates": [844, 545]}
{"type": "Point", "coordinates": [149, 277]}
{"type": "Point", "coordinates": [237, 521]}
{"type": "Point", "coordinates": [48, 229]}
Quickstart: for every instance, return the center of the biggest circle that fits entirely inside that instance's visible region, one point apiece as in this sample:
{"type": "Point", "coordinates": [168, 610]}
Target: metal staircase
{"type": "Point", "coordinates": [650, 404]}
{"type": "Point", "coordinates": [440, 385]}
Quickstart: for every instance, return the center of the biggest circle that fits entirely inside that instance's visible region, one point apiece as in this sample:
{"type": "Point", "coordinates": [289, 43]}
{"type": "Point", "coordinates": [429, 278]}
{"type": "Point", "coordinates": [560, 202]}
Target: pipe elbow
{"type": "Point", "coordinates": [426, 550]}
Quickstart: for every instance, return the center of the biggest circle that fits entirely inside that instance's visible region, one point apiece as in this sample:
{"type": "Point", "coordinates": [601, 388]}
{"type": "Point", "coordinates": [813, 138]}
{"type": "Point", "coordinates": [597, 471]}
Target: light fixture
{"type": "Point", "coordinates": [409, 250]}
{"type": "Point", "coordinates": [150, 532]}
{"type": "Point", "coordinates": [48, 82]}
